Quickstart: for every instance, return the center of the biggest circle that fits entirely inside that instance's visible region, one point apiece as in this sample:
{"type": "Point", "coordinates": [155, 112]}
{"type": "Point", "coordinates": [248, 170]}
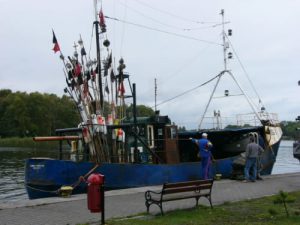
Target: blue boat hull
{"type": "Point", "coordinates": [43, 177]}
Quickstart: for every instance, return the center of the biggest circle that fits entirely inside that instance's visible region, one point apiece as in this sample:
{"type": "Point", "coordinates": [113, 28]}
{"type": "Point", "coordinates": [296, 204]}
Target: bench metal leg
{"type": "Point", "coordinates": [147, 206]}
{"type": "Point", "coordinates": [161, 209]}
{"type": "Point", "coordinates": [159, 204]}
{"type": "Point", "coordinates": [197, 201]}
{"type": "Point", "coordinates": [209, 198]}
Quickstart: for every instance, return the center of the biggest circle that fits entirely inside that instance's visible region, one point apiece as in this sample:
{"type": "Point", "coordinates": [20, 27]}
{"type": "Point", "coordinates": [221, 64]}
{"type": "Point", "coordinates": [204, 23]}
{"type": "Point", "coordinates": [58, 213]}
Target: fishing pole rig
{"type": "Point", "coordinates": [84, 78]}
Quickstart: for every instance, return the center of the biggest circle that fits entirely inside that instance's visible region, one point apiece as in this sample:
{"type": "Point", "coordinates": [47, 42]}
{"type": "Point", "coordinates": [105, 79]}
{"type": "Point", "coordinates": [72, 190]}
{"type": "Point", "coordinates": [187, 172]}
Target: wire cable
{"type": "Point", "coordinates": [173, 15]}
{"type": "Point", "coordinates": [168, 25]}
{"type": "Point", "coordinates": [150, 18]}
{"type": "Point", "coordinates": [188, 91]}
{"type": "Point", "coordinates": [179, 69]}
{"type": "Point", "coordinates": [90, 48]}
{"type": "Point", "coordinates": [243, 68]}
{"type": "Point", "coordinates": [162, 31]}
{"type": "Point", "coordinates": [123, 32]}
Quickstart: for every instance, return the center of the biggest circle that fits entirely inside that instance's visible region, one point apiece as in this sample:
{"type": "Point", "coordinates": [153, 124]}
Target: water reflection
{"type": "Point", "coordinates": [12, 162]}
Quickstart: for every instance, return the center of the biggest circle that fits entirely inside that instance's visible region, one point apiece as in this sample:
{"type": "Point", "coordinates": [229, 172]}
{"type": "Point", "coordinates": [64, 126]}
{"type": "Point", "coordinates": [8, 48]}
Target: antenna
{"type": "Point", "coordinates": [229, 56]}
{"type": "Point", "coordinates": [155, 94]}
{"type": "Point", "coordinates": [225, 44]}
{"type": "Point", "coordinates": [95, 8]}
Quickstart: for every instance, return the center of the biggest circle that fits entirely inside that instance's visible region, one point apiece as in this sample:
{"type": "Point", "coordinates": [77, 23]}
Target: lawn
{"type": "Point", "coordinates": [265, 210]}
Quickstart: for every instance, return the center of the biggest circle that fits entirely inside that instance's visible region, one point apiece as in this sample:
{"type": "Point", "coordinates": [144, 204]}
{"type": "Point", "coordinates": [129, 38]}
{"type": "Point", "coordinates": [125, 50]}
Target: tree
{"type": "Point", "coordinates": [23, 114]}
{"type": "Point", "coordinates": [142, 111]}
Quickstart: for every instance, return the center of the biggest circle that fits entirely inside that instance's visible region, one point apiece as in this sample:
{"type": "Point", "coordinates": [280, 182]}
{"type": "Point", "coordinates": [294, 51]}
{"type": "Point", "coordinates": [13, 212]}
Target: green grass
{"type": "Point", "coordinates": [253, 212]}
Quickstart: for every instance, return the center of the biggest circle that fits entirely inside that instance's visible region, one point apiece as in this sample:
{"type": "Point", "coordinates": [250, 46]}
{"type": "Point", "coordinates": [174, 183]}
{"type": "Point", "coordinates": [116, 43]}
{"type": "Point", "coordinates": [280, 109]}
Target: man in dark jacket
{"type": "Point", "coordinates": [253, 151]}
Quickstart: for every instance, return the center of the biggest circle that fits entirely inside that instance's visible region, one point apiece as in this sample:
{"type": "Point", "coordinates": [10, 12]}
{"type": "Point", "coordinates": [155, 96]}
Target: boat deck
{"type": "Point", "coordinates": [121, 203]}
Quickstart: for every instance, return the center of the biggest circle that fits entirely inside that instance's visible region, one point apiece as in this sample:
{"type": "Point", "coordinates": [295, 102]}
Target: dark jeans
{"type": "Point", "coordinates": [251, 164]}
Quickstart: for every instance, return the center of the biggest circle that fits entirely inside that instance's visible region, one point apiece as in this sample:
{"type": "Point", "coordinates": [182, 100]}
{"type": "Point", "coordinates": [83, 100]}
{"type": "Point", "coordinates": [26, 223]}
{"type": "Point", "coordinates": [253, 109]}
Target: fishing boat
{"type": "Point", "coordinates": [132, 151]}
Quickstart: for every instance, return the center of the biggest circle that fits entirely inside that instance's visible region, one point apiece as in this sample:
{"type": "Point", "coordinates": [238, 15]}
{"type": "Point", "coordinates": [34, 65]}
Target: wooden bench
{"type": "Point", "coordinates": [177, 191]}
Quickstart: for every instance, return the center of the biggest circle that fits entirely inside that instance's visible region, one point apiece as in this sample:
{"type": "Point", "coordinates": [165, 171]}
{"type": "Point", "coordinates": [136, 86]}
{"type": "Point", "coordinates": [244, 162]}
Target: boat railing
{"type": "Point", "coordinates": [240, 120]}
{"type": "Point", "coordinates": [251, 119]}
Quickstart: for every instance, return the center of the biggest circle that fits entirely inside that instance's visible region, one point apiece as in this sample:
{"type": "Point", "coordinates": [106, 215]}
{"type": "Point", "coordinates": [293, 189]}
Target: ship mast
{"type": "Point", "coordinates": [226, 56]}
{"type": "Point", "coordinates": [225, 44]}
{"type": "Point", "coordinates": [97, 24]}
{"type": "Point", "coordinates": [155, 94]}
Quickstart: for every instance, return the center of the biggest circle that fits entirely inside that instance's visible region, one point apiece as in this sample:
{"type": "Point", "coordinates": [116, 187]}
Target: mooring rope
{"type": "Point", "coordinates": [74, 185]}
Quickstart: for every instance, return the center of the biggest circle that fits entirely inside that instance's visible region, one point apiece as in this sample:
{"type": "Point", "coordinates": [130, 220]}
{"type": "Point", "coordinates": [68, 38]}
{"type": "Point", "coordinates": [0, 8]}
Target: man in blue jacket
{"type": "Point", "coordinates": [204, 146]}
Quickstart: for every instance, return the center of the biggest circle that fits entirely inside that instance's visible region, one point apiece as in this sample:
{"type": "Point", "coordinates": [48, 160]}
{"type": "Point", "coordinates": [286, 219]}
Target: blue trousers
{"type": "Point", "coordinates": [251, 165]}
{"type": "Point", "coordinates": [206, 165]}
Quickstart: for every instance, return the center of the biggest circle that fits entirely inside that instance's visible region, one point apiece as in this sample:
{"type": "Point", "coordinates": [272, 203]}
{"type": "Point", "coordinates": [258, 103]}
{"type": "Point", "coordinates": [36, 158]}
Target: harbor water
{"type": "Point", "coordinates": [12, 162]}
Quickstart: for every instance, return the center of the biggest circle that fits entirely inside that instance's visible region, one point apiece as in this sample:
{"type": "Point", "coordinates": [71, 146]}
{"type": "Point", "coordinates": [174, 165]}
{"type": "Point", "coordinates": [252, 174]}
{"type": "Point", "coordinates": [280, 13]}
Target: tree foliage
{"type": "Point", "coordinates": [290, 129]}
{"type": "Point", "coordinates": [36, 114]}
{"type": "Point", "coordinates": [23, 114]}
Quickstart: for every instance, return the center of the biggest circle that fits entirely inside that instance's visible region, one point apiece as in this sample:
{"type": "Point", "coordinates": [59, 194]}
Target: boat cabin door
{"type": "Point", "coordinates": [171, 144]}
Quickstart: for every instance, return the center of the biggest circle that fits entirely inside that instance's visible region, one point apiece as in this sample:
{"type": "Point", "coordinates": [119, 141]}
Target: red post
{"type": "Point", "coordinates": [95, 194]}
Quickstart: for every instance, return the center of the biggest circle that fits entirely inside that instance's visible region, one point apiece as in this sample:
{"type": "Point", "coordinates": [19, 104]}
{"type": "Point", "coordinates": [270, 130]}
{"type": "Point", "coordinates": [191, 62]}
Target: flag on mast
{"type": "Point", "coordinates": [56, 47]}
{"type": "Point", "coordinates": [102, 21]}
{"type": "Point", "coordinates": [101, 17]}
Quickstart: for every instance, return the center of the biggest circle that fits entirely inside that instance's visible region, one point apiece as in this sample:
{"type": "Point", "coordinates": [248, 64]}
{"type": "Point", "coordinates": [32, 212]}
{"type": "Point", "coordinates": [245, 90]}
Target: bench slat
{"type": "Point", "coordinates": [188, 183]}
{"type": "Point", "coordinates": [178, 191]}
{"type": "Point", "coordinates": [186, 189]}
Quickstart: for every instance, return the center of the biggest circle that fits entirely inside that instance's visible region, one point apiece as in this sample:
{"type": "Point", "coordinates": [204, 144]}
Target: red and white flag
{"type": "Point", "coordinates": [56, 47]}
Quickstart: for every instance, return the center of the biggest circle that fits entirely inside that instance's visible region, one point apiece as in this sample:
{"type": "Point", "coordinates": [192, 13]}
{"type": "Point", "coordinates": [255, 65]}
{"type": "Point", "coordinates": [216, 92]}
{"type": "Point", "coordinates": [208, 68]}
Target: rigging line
{"type": "Point", "coordinates": [148, 17]}
{"type": "Point", "coordinates": [123, 30]}
{"type": "Point", "coordinates": [179, 69]}
{"type": "Point", "coordinates": [162, 31]}
{"type": "Point", "coordinates": [173, 15]}
{"type": "Point", "coordinates": [168, 25]}
{"type": "Point", "coordinates": [207, 27]}
{"type": "Point", "coordinates": [190, 90]}
{"type": "Point", "coordinates": [228, 96]}
{"type": "Point", "coordinates": [243, 68]}
{"type": "Point", "coordinates": [89, 55]}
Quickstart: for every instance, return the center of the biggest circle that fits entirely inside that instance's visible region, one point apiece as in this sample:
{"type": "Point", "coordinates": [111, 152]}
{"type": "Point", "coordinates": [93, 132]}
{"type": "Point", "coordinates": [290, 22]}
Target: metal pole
{"type": "Point", "coordinates": [60, 150]}
{"type": "Point", "coordinates": [155, 94]}
{"type": "Point", "coordinates": [102, 205]}
{"type": "Point", "coordinates": [98, 56]}
{"type": "Point", "coordinates": [212, 94]}
{"type": "Point", "coordinates": [246, 96]}
{"type": "Point", "coordinates": [224, 41]}
{"type": "Point", "coordinates": [135, 123]}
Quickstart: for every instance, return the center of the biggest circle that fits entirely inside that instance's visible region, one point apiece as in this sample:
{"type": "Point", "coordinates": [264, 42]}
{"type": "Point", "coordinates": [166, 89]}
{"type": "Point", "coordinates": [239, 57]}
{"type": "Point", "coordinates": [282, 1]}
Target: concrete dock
{"type": "Point", "coordinates": [126, 202]}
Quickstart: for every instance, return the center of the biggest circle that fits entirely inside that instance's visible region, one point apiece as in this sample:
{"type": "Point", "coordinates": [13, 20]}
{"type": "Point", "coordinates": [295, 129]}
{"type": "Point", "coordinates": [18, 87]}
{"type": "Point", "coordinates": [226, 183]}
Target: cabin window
{"type": "Point", "coordinates": [160, 132]}
{"type": "Point", "coordinates": [150, 136]}
{"type": "Point", "coordinates": [173, 132]}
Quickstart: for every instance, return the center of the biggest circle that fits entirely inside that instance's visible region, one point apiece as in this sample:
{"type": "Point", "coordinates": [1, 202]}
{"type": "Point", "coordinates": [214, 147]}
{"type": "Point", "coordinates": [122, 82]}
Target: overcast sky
{"type": "Point", "coordinates": [265, 37]}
